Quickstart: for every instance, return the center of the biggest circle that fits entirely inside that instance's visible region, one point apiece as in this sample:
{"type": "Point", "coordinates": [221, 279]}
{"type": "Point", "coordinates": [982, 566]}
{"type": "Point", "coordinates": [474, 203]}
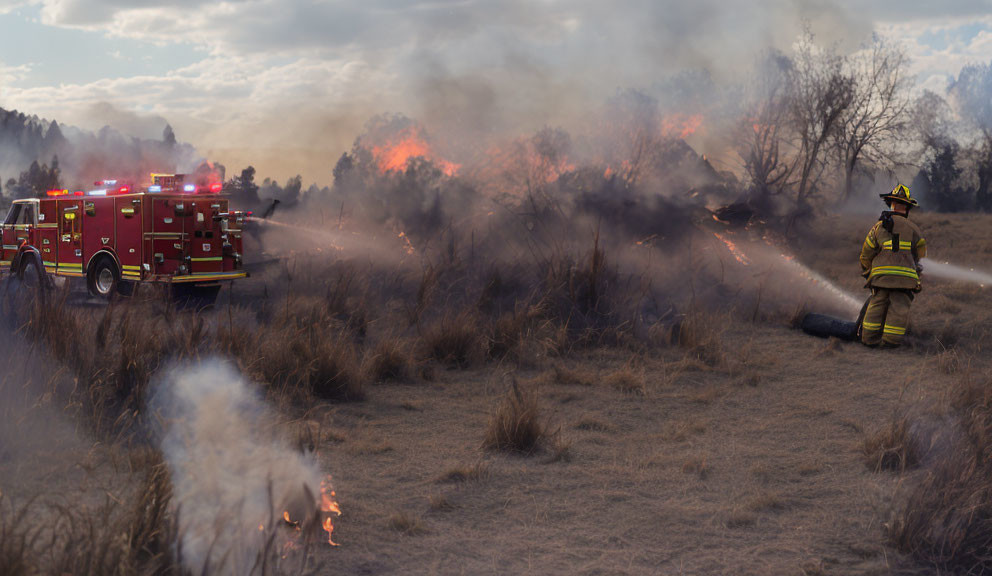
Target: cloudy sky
{"type": "Point", "coordinates": [288, 84]}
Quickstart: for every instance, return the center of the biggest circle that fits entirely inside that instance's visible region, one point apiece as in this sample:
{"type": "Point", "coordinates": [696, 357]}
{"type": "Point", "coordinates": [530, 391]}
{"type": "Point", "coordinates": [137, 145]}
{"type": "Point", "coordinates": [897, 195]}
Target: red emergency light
{"type": "Point", "coordinates": [58, 192]}
{"type": "Point", "coordinates": [79, 193]}
{"type": "Point", "coordinates": [123, 190]}
{"type": "Point", "coordinates": [216, 187]}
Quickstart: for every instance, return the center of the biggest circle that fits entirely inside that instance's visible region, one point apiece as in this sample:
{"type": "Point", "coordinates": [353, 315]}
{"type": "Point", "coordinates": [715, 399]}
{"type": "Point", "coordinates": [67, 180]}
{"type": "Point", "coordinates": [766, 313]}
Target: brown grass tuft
{"type": "Point", "coordinates": [407, 523]}
{"type": "Point", "coordinates": [390, 360]}
{"type": "Point", "coordinates": [945, 519]}
{"type": "Point", "coordinates": [892, 447]}
{"type": "Point", "coordinates": [696, 465]}
{"type": "Point", "coordinates": [515, 424]}
{"type": "Point", "coordinates": [440, 503]}
{"type": "Point", "coordinates": [454, 342]}
{"type": "Point", "coordinates": [741, 519]}
{"type": "Point", "coordinates": [949, 362]}
{"type": "Point", "coordinates": [701, 334]}
{"type": "Point", "coordinates": [561, 374]}
{"type": "Point", "coordinates": [561, 448]}
{"type": "Point", "coordinates": [628, 380]}
{"type": "Point", "coordinates": [476, 471]}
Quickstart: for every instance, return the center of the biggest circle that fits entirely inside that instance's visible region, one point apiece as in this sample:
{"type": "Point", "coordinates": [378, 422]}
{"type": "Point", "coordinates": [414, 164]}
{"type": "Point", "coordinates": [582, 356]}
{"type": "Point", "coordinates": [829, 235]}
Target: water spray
{"type": "Point", "coordinates": [950, 271]}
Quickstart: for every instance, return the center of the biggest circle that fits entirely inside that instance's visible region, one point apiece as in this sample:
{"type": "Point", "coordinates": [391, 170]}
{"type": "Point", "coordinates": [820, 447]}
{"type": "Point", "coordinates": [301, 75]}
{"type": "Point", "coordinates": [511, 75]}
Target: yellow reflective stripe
{"type": "Point", "coordinates": [71, 265]}
{"type": "Point", "coordinates": [871, 325]}
{"type": "Point", "coordinates": [894, 271]}
{"type": "Point", "coordinates": [870, 242]}
{"type": "Point", "coordinates": [126, 267]}
{"type": "Point", "coordinates": [210, 259]}
{"type": "Point", "coordinates": [903, 245]}
{"type": "Point", "coordinates": [894, 330]}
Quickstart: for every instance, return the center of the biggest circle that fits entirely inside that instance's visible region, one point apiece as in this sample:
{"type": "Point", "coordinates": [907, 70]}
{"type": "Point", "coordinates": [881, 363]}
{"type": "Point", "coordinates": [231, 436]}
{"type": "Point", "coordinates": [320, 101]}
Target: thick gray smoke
{"type": "Point", "coordinates": [233, 476]}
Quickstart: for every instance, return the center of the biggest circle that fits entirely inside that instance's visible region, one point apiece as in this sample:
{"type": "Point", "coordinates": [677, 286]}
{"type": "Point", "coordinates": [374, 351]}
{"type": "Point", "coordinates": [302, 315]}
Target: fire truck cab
{"type": "Point", "coordinates": [170, 231]}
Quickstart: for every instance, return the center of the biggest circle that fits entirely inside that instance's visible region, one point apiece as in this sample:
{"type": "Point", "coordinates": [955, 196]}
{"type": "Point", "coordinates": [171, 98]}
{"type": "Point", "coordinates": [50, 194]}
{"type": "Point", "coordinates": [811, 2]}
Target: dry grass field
{"type": "Point", "coordinates": [465, 435]}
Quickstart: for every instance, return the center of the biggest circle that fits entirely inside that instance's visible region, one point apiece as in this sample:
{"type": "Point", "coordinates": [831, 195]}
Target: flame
{"type": "Point", "coordinates": [407, 144]}
{"type": "Point", "coordinates": [740, 256]}
{"type": "Point", "coordinates": [409, 245]}
{"type": "Point", "coordinates": [328, 506]}
{"type": "Point", "coordinates": [681, 125]}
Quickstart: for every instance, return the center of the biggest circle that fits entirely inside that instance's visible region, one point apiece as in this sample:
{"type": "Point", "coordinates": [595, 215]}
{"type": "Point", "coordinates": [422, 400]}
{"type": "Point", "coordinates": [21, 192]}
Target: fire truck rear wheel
{"type": "Point", "coordinates": [103, 277]}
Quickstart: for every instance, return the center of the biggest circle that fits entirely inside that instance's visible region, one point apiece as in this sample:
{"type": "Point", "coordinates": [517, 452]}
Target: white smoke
{"type": "Point", "coordinates": [232, 475]}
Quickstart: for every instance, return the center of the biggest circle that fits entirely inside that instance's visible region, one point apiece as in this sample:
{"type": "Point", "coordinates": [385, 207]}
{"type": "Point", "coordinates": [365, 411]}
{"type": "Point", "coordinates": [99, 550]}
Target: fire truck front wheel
{"type": "Point", "coordinates": [30, 274]}
{"type": "Point", "coordinates": [103, 277]}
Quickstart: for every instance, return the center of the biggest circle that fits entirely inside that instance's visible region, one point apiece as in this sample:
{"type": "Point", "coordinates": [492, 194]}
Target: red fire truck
{"type": "Point", "coordinates": [115, 236]}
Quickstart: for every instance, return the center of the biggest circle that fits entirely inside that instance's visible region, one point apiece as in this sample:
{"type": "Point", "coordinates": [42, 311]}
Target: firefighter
{"type": "Point", "coordinates": [890, 261]}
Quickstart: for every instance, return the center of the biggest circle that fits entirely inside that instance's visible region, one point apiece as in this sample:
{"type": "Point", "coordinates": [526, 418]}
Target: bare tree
{"type": "Point", "coordinates": [820, 92]}
{"type": "Point", "coordinates": [869, 129]}
{"type": "Point", "coordinates": [764, 127]}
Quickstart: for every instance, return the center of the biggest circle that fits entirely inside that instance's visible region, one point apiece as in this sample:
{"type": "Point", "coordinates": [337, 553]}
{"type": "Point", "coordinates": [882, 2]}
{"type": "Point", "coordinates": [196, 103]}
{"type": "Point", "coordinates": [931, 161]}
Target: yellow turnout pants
{"type": "Point", "coordinates": [887, 317]}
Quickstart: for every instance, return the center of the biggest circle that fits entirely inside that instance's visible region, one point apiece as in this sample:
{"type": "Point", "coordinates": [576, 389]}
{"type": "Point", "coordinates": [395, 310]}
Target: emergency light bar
{"type": "Point", "coordinates": [97, 192]}
{"type": "Point", "coordinates": [154, 188]}
{"type": "Point", "coordinates": [216, 187]}
{"type": "Point", "coordinates": [189, 188]}
{"type": "Point", "coordinates": [57, 192]}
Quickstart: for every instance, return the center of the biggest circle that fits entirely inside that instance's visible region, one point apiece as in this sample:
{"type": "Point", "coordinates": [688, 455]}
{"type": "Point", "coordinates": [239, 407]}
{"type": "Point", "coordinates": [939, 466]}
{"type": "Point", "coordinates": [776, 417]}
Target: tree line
{"type": "Point", "coordinates": [816, 125]}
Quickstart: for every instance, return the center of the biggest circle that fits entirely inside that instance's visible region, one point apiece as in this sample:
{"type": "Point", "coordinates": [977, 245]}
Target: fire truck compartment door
{"type": "Point", "coordinates": [127, 212]}
{"type": "Point", "coordinates": [207, 242]}
{"type": "Point", "coordinates": [70, 241]}
{"type": "Point", "coordinates": [167, 254]}
{"type": "Point", "coordinates": [100, 232]}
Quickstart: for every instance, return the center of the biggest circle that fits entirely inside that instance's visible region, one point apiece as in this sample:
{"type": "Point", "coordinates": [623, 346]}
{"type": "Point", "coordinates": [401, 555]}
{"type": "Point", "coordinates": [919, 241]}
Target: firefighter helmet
{"type": "Point", "coordinates": [899, 194]}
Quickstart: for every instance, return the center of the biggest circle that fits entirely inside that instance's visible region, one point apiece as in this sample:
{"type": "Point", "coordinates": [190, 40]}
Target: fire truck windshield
{"type": "Point", "coordinates": [21, 213]}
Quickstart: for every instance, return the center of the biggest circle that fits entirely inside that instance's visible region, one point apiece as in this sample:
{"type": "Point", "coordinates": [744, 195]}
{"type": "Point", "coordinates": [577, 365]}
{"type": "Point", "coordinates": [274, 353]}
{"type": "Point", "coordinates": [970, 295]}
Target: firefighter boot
{"type": "Point", "coordinates": [871, 326]}
{"type": "Point", "coordinates": [896, 318]}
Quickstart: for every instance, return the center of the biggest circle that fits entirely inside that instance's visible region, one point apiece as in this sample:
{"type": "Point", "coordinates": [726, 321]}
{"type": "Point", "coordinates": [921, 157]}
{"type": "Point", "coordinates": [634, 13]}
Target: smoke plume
{"type": "Point", "coordinates": [233, 477]}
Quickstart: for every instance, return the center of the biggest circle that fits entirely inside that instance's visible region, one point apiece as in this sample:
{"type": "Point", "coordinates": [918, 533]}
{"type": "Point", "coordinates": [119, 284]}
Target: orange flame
{"type": "Point", "coordinates": [408, 144]}
{"type": "Point", "coordinates": [409, 245]}
{"type": "Point", "coordinates": [740, 256]}
{"type": "Point", "coordinates": [681, 125]}
{"type": "Point", "coordinates": [329, 506]}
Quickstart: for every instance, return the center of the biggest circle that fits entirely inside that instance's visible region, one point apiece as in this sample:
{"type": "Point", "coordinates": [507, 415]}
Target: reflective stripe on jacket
{"type": "Point", "coordinates": [891, 263]}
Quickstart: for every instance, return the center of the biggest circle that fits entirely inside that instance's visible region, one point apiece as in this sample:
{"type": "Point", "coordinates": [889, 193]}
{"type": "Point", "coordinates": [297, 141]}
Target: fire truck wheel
{"type": "Point", "coordinates": [30, 273]}
{"type": "Point", "coordinates": [103, 277]}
